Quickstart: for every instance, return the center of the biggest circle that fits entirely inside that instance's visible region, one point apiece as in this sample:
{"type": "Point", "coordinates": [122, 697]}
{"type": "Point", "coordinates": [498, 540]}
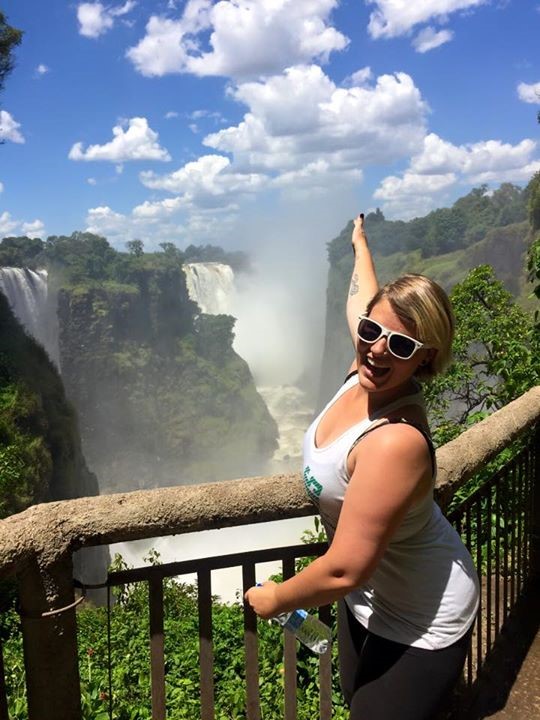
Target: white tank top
{"type": "Point", "coordinates": [424, 591]}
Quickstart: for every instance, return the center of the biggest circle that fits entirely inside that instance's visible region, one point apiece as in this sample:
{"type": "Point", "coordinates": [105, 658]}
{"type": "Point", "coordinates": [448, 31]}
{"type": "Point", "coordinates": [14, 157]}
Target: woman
{"type": "Point", "coordinates": [406, 585]}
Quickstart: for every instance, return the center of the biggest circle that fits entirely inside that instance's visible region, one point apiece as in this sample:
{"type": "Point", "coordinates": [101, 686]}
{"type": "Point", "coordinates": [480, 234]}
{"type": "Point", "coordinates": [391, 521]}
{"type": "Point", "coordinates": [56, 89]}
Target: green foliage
{"type": "Point", "coordinates": [10, 37]}
{"type": "Point", "coordinates": [495, 355]}
{"type": "Point", "coordinates": [533, 266]}
{"type": "Point", "coordinates": [214, 336]}
{"type": "Point", "coordinates": [20, 252]}
{"type": "Point", "coordinates": [135, 247]}
{"type": "Point", "coordinates": [238, 260]}
{"type": "Point", "coordinates": [130, 659]}
{"type": "Point", "coordinates": [81, 257]}
{"type": "Point", "coordinates": [40, 455]}
{"type": "Point", "coordinates": [441, 231]}
{"type": "Point", "coordinates": [533, 191]}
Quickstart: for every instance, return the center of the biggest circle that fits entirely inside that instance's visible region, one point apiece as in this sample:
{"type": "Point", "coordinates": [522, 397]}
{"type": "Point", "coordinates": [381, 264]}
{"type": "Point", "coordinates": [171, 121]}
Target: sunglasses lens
{"type": "Point", "coordinates": [401, 346]}
{"type": "Point", "coordinates": [369, 331]}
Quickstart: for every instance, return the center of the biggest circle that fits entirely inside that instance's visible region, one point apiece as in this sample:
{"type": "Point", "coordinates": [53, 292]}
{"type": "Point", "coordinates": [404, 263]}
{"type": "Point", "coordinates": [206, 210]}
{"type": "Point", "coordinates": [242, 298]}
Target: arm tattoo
{"type": "Point", "coordinates": [354, 285]}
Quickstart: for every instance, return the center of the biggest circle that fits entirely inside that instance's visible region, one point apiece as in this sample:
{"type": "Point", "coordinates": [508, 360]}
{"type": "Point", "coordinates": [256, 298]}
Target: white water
{"type": "Point", "coordinates": [212, 286]}
{"type": "Point", "coordinates": [27, 293]}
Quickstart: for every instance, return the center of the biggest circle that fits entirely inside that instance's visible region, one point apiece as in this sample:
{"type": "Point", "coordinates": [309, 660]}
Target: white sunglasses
{"type": "Point", "coordinates": [401, 346]}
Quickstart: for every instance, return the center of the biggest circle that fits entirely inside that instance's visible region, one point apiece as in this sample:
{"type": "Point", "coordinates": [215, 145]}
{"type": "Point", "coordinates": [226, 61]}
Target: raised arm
{"type": "Point", "coordinates": [364, 283]}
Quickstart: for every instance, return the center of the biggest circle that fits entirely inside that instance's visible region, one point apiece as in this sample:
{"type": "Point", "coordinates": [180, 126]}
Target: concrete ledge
{"type": "Point", "coordinates": [50, 531]}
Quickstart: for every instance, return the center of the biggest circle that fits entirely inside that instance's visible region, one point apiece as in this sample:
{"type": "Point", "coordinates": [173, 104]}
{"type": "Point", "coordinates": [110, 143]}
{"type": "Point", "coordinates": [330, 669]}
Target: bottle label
{"type": "Point", "coordinates": [295, 620]}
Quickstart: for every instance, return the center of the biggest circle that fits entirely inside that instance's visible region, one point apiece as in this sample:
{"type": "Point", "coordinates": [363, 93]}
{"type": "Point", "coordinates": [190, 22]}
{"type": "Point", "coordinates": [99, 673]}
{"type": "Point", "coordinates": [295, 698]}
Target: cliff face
{"type": "Point", "coordinates": [40, 452]}
{"type": "Point", "coordinates": [162, 397]}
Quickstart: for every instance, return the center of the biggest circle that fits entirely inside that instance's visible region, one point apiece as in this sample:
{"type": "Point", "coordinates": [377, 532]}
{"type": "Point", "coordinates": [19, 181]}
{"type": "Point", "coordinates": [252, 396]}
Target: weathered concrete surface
{"type": "Point", "coordinates": [459, 459]}
{"type": "Point", "coordinates": [50, 643]}
{"type": "Point", "coordinates": [51, 530]}
{"type": "Point", "coordinates": [524, 700]}
{"type": "Point", "coordinates": [510, 685]}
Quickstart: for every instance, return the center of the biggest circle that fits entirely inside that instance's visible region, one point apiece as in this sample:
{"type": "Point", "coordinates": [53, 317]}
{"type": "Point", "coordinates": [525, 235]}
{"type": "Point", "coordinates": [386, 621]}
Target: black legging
{"type": "Point", "coordinates": [385, 680]}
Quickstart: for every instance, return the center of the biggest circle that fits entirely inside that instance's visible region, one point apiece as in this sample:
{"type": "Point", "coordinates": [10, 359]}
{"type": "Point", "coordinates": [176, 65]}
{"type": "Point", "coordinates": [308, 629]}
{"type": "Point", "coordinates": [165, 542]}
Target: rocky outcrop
{"type": "Point", "coordinates": [162, 397]}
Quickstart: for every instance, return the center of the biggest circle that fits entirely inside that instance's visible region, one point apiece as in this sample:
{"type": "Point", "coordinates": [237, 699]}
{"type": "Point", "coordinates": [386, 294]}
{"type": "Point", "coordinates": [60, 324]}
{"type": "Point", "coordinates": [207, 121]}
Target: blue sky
{"type": "Point", "coordinates": [260, 122]}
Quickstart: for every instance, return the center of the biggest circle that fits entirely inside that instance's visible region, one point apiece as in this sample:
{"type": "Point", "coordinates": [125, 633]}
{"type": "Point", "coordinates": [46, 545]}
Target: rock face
{"type": "Point", "coordinates": [40, 450]}
{"type": "Point", "coordinates": [162, 397]}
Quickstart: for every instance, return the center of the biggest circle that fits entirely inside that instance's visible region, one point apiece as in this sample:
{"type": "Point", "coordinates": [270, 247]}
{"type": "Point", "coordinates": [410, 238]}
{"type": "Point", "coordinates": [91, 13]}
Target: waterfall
{"type": "Point", "coordinates": [211, 286]}
{"type": "Point", "coordinates": [27, 293]}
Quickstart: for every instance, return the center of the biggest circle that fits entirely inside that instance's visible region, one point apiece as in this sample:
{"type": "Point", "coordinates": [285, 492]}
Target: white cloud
{"type": "Point", "coordinates": [301, 116]}
{"type": "Point", "coordinates": [91, 181]}
{"type": "Point", "coordinates": [96, 19]}
{"type": "Point", "coordinates": [102, 219]}
{"type": "Point", "coordinates": [412, 194]}
{"type": "Point", "coordinates": [34, 229]}
{"type": "Point", "coordinates": [440, 164]}
{"type": "Point", "coordinates": [392, 18]}
{"type": "Point", "coordinates": [316, 177]}
{"type": "Point", "coordinates": [171, 114]}
{"type": "Point", "coordinates": [475, 160]}
{"type": "Point", "coordinates": [7, 224]}
{"type": "Point", "coordinates": [10, 226]}
{"type": "Point", "coordinates": [247, 37]}
{"type": "Point", "coordinates": [150, 226]}
{"type": "Point", "coordinates": [359, 78]}
{"type": "Point", "coordinates": [429, 38]}
{"type": "Point", "coordinates": [1, 187]}
{"type": "Point", "coordinates": [206, 182]}
{"type": "Point", "coordinates": [411, 184]}
{"type": "Point", "coordinates": [211, 114]}
{"type": "Point", "coordinates": [9, 128]}
{"type": "Point", "coordinates": [137, 142]}
{"type": "Point", "coordinates": [529, 92]}
{"type": "Point", "coordinates": [42, 70]}
{"type": "Point", "coordinates": [301, 134]}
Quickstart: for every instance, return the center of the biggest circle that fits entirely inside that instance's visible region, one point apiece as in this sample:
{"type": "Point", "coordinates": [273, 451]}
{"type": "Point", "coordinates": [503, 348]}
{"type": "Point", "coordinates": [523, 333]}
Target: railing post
{"type": "Point", "coordinates": [535, 520]}
{"type": "Point", "coordinates": [50, 642]}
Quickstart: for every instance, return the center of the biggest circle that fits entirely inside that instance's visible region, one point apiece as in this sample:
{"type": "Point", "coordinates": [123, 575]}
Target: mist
{"type": "Point", "coordinates": [281, 307]}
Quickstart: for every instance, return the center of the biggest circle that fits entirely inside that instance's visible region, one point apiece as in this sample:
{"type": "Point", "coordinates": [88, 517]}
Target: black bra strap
{"type": "Point", "coordinates": [420, 429]}
{"type": "Point", "coordinates": [349, 376]}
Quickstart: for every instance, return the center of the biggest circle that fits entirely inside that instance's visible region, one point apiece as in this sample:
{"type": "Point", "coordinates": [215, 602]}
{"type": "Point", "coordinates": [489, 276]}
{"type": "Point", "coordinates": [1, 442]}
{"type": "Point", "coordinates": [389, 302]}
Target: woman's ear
{"type": "Point", "coordinates": [430, 356]}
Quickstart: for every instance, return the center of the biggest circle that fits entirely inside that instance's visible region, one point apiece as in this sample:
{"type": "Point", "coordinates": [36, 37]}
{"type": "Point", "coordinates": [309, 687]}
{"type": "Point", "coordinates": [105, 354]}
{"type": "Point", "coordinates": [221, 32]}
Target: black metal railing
{"type": "Point", "coordinates": [495, 522]}
{"type": "Point", "coordinates": [155, 575]}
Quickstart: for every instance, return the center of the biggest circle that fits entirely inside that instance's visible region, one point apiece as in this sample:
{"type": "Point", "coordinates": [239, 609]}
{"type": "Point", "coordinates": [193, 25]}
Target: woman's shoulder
{"type": "Point", "coordinates": [400, 435]}
{"type": "Point", "coordinates": [412, 413]}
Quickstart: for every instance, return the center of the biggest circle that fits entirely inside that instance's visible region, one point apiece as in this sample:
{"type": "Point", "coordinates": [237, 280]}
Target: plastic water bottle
{"type": "Point", "coordinates": [308, 629]}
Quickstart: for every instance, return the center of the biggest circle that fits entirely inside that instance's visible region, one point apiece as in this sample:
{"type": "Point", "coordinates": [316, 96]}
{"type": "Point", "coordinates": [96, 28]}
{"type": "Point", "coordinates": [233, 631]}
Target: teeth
{"type": "Point", "coordinates": [372, 365]}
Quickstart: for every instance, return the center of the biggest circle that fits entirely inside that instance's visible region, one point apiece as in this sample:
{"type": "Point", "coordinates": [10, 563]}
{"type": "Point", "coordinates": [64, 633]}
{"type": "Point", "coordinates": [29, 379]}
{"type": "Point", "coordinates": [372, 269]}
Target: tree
{"type": "Point", "coordinates": [495, 355]}
{"type": "Point", "coordinates": [10, 37]}
{"type": "Point", "coordinates": [533, 192]}
{"type": "Point", "coordinates": [20, 251]}
{"type": "Point", "coordinates": [135, 247]}
{"type": "Point", "coordinates": [170, 250]}
{"type": "Point", "coordinates": [533, 266]}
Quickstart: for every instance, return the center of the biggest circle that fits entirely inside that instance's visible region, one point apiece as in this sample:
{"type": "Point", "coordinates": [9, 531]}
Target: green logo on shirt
{"type": "Point", "coordinates": [313, 487]}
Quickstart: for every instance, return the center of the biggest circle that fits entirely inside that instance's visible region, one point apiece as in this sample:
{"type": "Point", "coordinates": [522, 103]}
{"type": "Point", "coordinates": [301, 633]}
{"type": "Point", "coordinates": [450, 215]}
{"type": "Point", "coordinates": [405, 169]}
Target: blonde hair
{"type": "Point", "coordinates": [423, 306]}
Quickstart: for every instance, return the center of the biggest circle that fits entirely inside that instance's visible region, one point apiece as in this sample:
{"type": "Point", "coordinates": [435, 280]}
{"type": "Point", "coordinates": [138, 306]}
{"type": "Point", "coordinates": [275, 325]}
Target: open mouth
{"type": "Point", "coordinates": [374, 369]}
